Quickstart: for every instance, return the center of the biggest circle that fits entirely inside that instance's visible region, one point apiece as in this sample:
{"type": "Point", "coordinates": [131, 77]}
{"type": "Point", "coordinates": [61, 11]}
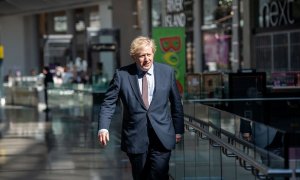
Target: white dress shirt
{"type": "Point", "coordinates": [150, 80]}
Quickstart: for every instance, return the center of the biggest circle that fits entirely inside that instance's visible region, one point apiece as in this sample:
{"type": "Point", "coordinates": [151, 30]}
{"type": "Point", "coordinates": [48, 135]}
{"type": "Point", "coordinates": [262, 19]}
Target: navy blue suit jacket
{"type": "Point", "coordinates": [165, 112]}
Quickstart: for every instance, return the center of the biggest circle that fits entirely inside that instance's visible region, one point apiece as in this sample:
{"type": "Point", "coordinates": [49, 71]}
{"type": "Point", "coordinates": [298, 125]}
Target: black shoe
{"type": "Point", "coordinates": [46, 110]}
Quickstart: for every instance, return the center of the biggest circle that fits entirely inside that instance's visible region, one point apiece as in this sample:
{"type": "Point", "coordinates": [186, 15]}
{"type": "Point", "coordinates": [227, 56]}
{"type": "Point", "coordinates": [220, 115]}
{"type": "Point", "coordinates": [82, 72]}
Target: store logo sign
{"type": "Point", "coordinates": [175, 16]}
{"type": "Point", "coordinates": [276, 13]}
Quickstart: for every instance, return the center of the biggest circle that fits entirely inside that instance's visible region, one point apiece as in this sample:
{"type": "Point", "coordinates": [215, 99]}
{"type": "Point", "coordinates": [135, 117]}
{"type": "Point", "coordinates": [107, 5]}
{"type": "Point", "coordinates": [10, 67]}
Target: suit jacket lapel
{"type": "Point", "coordinates": [133, 79]}
{"type": "Point", "coordinates": [156, 79]}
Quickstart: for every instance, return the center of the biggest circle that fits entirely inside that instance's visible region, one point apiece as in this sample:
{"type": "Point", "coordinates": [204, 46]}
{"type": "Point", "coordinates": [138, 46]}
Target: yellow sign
{"type": "Point", "coordinates": [1, 52]}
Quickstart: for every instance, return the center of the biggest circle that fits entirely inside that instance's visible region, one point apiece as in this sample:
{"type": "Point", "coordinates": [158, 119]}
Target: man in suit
{"type": "Point", "coordinates": [152, 112]}
{"type": "Point", "coordinates": [48, 79]}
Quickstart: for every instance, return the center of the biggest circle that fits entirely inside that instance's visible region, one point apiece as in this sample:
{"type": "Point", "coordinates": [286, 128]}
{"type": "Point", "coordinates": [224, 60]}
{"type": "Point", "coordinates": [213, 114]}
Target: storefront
{"type": "Point", "coordinates": [176, 13]}
{"type": "Point", "coordinates": [216, 35]}
{"type": "Point", "coordinates": [213, 31]}
{"type": "Point", "coordinates": [277, 35]}
{"type": "Point", "coordinates": [277, 40]}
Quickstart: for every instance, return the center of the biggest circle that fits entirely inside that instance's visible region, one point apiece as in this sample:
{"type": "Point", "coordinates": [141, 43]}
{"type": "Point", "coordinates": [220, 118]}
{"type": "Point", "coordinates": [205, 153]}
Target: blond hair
{"type": "Point", "coordinates": [139, 42]}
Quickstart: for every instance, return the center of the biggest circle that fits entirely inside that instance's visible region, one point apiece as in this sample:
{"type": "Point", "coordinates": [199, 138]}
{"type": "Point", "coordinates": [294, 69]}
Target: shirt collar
{"type": "Point", "coordinates": [149, 72]}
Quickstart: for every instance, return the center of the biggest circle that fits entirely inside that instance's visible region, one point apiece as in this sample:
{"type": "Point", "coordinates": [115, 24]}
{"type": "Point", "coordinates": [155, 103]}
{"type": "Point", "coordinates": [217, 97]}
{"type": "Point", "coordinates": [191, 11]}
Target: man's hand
{"type": "Point", "coordinates": [178, 138]}
{"type": "Point", "coordinates": [103, 138]}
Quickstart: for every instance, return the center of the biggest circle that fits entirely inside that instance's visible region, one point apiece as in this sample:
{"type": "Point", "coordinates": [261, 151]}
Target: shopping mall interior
{"type": "Point", "coordinates": [237, 67]}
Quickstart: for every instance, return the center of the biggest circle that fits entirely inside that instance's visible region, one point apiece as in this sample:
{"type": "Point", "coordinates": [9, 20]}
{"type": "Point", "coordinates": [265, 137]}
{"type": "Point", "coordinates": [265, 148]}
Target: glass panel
{"type": "Point", "coordinates": [269, 144]}
{"type": "Point", "coordinates": [263, 51]}
{"type": "Point", "coordinates": [214, 147]}
{"type": "Point", "coordinates": [217, 33]}
{"type": "Point", "coordinates": [282, 55]}
{"type": "Point", "coordinates": [215, 161]}
{"type": "Point", "coordinates": [177, 161]}
{"type": "Point", "coordinates": [280, 52]}
{"type": "Point", "coordinates": [216, 49]}
{"type": "Point", "coordinates": [216, 9]}
{"type": "Point", "coordinates": [156, 13]}
{"type": "Point", "coordinates": [295, 46]}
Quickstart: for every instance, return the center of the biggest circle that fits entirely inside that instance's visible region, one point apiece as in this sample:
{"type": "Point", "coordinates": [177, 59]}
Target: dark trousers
{"type": "Point", "coordinates": [46, 97]}
{"type": "Point", "coordinates": [153, 164]}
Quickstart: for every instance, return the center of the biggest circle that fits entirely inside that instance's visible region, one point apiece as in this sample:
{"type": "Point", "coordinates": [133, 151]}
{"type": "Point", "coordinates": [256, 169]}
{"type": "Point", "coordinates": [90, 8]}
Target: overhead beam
{"type": "Point", "coordinates": [43, 9]}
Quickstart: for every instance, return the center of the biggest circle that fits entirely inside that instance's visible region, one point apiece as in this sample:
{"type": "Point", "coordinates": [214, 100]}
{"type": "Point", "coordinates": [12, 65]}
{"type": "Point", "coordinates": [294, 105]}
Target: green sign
{"type": "Point", "coordinates": [170, 42]}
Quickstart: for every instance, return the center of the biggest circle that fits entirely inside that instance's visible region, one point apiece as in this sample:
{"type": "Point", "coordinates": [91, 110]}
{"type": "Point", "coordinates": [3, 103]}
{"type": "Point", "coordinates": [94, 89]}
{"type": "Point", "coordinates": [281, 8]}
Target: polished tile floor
{"type": "Point", "coordinates": [57, 145]}
{"type": "Point", "coordinates": [62, 145]}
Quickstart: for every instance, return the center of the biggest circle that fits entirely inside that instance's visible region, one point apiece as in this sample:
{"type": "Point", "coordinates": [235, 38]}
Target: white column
{"type": "Point", "coordinates": [247, 33]}
{"type": "Point", "coordinates": [198, 43]}
{"type": "Point", "coordinates": [13, 40]}
{"type": "Point", "coordinates": [71, 30]}
{"type": "Point", "coordinates": [235, 60]}
{"type": "Point", "coordinates": [146, 17]}
{"type": "Point", "coordinates": [105, 14]}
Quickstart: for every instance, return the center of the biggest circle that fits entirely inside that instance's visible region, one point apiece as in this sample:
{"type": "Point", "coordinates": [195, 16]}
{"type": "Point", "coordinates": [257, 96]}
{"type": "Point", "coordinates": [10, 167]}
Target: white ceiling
{"type": "Point", "coordinates": [12, 7]}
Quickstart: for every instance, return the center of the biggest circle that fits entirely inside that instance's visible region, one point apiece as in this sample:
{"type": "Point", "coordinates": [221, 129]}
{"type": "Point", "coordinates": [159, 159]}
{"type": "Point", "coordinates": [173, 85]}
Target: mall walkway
{"type": "Point", "coordinates": [59, 145]}
{"type": "Point", "coordinates": [62, 145]}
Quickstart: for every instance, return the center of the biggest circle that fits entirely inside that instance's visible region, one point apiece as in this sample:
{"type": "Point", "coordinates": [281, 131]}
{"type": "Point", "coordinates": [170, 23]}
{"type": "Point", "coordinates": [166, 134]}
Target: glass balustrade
{"type": "Point", "coordinates": [216, 145]}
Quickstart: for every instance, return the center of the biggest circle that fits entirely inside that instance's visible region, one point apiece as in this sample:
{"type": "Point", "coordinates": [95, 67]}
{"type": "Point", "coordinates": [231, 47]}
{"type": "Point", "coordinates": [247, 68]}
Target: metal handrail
{"type": "Point", "coordinates": [208, 100]}
{"type": "Point", "coordinates": [261, 171]}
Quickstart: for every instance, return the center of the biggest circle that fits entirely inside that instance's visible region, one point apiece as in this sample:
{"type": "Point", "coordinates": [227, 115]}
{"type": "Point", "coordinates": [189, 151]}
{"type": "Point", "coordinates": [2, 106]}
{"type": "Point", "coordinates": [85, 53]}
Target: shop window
{"type": "Point", "coordinates": [277, 52]}
{"type": "Point", "coordinates": [263, 53]}
{"type": "Point", "coordinates": [60, 22]}
{"type": "Point", "coordinates": [79, 20]}
{"type": "Point", "coordinates": [95, 19]}
{"type": "Point", "coordinates": [217, 34]}
{"type": "Point", "coordinates": [216, 51]}
{"type": "Point", "coordinates": [156, 13]}
{"type": "Point", "coordinates": [215, 11]}
{"type": "Point", "coordinates": [176, 13]}
{"type": "Point", "coordinates": [280, 52]}
{"type": "Point", "coordinates": [295, 46]}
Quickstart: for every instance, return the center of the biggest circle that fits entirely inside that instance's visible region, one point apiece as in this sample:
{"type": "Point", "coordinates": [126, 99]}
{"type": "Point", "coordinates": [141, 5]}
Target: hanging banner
{"type": "Point", "coordinates": [170, 42]}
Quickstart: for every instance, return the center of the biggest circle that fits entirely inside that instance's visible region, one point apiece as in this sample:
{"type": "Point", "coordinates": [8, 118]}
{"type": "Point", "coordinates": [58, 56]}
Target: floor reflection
{"type": "Point", "coordinates": [58, 144]}
{"type": "Point", "coordinates": [61, 144]}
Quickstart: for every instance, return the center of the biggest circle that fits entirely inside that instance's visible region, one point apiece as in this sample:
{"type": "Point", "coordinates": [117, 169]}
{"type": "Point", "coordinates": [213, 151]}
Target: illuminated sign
{"type": "Point", "coordinates": [276, 13]}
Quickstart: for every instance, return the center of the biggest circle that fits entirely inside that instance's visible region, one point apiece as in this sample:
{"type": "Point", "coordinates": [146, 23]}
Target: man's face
{"type": "Point", "coordinates": [144, 58]}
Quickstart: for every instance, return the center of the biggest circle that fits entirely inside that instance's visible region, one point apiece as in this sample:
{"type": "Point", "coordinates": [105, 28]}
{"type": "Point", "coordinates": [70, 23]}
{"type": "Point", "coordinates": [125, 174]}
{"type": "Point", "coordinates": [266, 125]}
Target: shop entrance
{"type": "Point", "coordinates": [103, 54]}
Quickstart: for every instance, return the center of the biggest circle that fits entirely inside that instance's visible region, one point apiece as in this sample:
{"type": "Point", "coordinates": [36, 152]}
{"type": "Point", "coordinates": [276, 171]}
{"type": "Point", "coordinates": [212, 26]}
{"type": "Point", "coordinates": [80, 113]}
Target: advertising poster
{"type": "Point", "coordinates": [170, 42]}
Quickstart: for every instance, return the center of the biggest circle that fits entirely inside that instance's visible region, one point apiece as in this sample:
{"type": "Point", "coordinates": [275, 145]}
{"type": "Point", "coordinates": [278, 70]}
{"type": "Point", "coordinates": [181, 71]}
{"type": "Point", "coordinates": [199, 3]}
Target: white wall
{"type": "Point", "coordinates": [19, 37]}
{"type": "Point", "coordinates": [107, 58]}
{"type": "Point", "coordinates": [13, 40]}
{"type": "Point", "coordinates": [32, 58]}
{"type": "Point", "coordinates": [124, 20]}
{"type": "Point", "coordinates": [105, 14]}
